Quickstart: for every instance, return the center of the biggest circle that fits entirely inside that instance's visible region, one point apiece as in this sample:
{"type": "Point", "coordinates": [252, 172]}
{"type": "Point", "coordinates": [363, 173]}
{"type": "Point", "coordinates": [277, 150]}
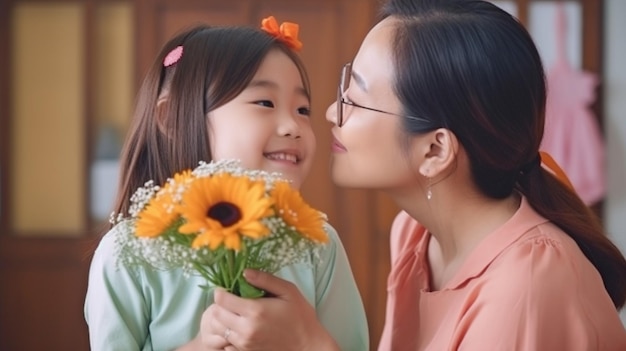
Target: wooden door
{"type": "Point", "coordinates": [43, 256]}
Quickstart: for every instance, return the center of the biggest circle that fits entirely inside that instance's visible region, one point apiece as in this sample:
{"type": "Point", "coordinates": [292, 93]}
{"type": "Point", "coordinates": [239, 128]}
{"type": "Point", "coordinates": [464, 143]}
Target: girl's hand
{"type": "Point", "coordinates": [284, 321]}
{"type": "Point", "coordinates": [212, 336]}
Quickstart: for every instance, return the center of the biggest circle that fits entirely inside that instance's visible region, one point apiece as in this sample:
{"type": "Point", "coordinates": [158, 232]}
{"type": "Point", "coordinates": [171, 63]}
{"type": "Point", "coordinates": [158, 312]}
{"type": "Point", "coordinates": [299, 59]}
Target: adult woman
{"type": "Point", "coordinates": [491, 251]}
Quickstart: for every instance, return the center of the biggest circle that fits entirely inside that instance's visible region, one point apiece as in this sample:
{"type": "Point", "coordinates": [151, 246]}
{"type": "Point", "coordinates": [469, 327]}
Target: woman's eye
{"type": "Point", "coordinates": [306, 111]}
{"type": "Point", "coordinates": [265, 103]}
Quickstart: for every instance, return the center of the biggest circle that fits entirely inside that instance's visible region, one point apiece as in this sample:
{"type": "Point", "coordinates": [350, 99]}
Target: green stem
{"type": "Point", "coordinates": [209, 277]}
{"type": "Point", "coordinates": [241, 259]}
{"type": "Point", "coordinates": [230, 268]}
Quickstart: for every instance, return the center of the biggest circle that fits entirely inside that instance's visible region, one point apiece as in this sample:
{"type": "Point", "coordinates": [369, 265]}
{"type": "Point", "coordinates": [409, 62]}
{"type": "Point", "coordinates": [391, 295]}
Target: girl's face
{"type": "Point", "coordinates": [268, 125]}
{"type": "Point", "coordinates": [366, 150]}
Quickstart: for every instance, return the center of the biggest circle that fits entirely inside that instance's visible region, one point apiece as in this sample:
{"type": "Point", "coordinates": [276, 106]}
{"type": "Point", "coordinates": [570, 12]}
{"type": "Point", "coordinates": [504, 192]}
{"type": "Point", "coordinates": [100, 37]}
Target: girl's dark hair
{"type": "Point", "coordinates": [216, 65]}
{"type": "Point", "coordinates": [470, 67]}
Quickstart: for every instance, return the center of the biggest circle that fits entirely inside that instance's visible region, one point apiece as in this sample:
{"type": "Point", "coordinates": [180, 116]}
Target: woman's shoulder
{"type": "Point", "coordinates": [547, 242]}
{"type": "Point", "coordinates": [548, 262]}
{"type": "Point", "coordinates": [544, 276]}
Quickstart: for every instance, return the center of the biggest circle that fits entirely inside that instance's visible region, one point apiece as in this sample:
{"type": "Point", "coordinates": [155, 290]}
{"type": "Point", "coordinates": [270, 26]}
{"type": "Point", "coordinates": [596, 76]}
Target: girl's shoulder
{"type": "Point", "coordinates": [113, 259]}
{"type": "Point", "coordinates": [107, 245]}
{"type": "Point", "coordinates": [333, 236]}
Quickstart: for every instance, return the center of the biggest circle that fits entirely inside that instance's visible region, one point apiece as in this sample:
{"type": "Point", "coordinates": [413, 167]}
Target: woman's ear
{"type": "Point", "coordinates": [440, 152]}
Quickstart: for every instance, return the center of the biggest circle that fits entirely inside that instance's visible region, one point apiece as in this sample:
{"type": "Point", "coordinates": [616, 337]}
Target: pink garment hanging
{"type": "Point", "coordinates": [572, 135]}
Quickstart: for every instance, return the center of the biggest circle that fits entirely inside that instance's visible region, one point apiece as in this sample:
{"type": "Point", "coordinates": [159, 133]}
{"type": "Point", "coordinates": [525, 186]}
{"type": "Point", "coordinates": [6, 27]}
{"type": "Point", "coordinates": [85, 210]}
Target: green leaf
{"type": "Point", "coordinates": [247, 290]}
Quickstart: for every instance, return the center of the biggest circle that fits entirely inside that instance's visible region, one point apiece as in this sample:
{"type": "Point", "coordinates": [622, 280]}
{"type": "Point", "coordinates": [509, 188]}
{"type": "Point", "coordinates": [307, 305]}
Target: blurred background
{"type": "Point", "coordinates": [69, 71]}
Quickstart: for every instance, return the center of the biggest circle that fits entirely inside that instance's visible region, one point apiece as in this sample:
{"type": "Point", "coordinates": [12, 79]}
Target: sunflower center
{"type": "Point", "coordinates": [225, 213]}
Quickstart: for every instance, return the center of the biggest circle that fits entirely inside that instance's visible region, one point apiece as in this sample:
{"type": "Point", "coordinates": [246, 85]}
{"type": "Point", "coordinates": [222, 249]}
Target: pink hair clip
{"type": "Point", "coordinates": [173, 56]}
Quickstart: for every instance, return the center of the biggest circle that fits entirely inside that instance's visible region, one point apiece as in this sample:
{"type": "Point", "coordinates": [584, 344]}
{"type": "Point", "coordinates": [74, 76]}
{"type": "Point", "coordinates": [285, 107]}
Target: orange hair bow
{"type": "Point", "coordinates": [287, 32]}
{"type": "Point", "coordinates": [553, 167]}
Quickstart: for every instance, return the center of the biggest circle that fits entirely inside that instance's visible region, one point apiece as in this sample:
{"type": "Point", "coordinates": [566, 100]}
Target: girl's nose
{"type": "Point", "coordinates": [289, 127]}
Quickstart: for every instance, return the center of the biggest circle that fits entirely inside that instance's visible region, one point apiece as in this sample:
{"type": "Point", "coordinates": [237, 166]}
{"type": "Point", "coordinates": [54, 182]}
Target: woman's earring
{"type": "Point", "coordinates": [429, 192]}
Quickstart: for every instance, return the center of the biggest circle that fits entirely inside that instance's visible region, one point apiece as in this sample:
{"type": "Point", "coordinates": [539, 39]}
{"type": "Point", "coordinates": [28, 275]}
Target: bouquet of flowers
{"type": "Point", "coordinates": [218, 220]}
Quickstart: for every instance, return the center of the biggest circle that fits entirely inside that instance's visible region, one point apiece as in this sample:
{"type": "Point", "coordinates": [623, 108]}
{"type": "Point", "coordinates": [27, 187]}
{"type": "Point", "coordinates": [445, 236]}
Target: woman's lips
{"type": "Point", "coordinates": [336, 146]}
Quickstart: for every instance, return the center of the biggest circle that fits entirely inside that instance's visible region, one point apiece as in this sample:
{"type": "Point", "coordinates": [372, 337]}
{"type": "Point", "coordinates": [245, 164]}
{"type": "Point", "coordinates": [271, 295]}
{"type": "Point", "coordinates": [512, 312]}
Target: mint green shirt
{"type": "Point", "coordinates": [139, 308]}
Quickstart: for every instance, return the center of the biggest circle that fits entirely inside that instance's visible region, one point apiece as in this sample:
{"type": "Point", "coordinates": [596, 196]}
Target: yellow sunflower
{"type": "Point", "coordinates": [155, 217]}
{"type": "Point", "coordinates": [160, 212]}
{"type": "Point", "coordinates": [298, 214]}
{"type": "Point", "coordinates": [182, 177]}
{"type": "Point", "coordinates": [176, 184]}
{"type": "Point", "coordinates": [222, 208]}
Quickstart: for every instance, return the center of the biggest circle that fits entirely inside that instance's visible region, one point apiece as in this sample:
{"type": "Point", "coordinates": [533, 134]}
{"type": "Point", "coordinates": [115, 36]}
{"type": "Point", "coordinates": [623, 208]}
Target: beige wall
{"type": "Point", "coordinates": [48, 96]}
{"type": "Point", "coordinates": [114, 65]}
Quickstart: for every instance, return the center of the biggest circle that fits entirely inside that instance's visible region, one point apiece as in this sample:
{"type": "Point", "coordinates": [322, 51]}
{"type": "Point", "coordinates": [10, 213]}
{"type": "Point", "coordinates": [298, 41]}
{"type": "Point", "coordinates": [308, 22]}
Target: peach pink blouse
{"type": "Point", "coordinates": [527, 286]}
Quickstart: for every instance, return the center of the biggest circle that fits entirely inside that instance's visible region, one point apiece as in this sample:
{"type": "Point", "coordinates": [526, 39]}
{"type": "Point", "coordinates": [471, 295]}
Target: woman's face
{"type": "Point", "coordinates": [367, 151]}
{"type": "Point", "coordinates": [268, 125]}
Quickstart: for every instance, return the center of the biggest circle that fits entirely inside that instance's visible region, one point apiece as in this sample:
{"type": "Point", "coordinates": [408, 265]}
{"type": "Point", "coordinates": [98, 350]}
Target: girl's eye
{"type": "Point", "coordinates": [265, 103]}
{"type": "Point", "coordinates": [306, 111]}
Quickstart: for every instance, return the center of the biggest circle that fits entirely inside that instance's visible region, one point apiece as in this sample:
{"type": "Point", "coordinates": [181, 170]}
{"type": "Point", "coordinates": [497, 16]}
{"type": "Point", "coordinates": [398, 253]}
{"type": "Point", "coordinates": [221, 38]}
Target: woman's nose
{"type": "Point", "coordinates": [331, 113]}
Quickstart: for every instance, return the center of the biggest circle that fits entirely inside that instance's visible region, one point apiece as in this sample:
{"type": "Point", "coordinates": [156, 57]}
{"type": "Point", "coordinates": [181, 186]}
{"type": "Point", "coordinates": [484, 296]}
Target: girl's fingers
{"type": "Point", "coordinates": [213, 331]}
{"type": "Point", "coordinates": [215, 342]}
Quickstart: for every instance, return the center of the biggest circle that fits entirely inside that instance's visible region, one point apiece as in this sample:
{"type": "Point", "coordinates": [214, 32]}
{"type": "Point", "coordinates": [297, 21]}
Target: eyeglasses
{"type": "Point", "coordinates": [344, 83]}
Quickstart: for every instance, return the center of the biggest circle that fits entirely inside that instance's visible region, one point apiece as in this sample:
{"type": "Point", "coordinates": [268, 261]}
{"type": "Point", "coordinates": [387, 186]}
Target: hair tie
{"type": "Point", "coordinates": [536, 162]}
{"type": "Point", "coordinates": [544, 158]}
{"type": "Point", "coordinates": [287, 33]}
{"type": "Point", "coordinates": [173, 56]}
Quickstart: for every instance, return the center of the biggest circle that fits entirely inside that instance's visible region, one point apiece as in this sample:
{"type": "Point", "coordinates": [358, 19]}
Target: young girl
{"type": "Point", "coordinates": [491, 250]}
{"type": "Point", "coordinates": [216, 93]}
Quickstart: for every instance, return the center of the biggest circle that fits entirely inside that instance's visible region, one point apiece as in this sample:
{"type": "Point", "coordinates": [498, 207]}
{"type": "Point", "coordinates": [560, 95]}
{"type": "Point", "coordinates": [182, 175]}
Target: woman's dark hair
{"type": "Point", "coordinates": [470, 67]}
{"type": "Point", "coordinates": [171, 135]}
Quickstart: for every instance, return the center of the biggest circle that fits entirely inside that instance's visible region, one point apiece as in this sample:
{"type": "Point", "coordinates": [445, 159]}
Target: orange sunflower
{"type": "Point", "coordinates": [175, 184]}
{"type": "Point", "coordinates": [298, 214]}
{"type": "Point", "coordinates": [156, 217]}
{"type": "Point", "coordinates": [160, 212]}
{"type": "Point", "coordinates": [222, 209]}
